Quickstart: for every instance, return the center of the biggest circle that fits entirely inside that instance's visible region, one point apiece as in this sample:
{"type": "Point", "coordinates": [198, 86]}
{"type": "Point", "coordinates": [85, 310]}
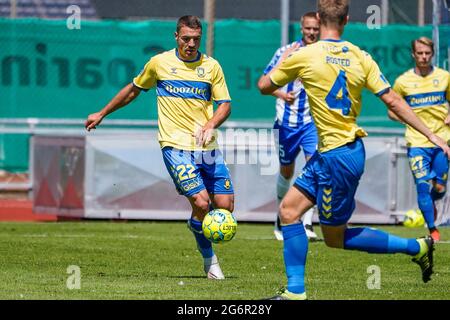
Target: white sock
{"type": "Point", "coordinates": [283, 185]}
{"type": "Point", "coordinates": [307, 217]}
{"type": "Point", "coordinates": [210, 261]}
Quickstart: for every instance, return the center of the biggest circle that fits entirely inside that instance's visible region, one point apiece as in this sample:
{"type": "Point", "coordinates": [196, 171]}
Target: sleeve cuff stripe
{"type": "Point", "coordinates": [139, 87]}
{"type": "Point", "coordinates": [383, 91]}
{"type": "Point", "coordinates": [221, 101]}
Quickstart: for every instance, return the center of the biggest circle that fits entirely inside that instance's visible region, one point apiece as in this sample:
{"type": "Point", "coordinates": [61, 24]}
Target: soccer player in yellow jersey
{"type": "Point", "coordinates": [426, 88]}
{"type": "Point", "coordinates": [334, 73]}
{"type": "Point", "coordinates": [187, 83]}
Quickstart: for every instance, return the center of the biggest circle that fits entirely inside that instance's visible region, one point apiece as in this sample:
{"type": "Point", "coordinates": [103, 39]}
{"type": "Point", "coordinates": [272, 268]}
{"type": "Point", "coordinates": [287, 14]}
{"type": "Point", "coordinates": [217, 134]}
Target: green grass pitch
{"type": "Point", "coordinates": [158, 260]}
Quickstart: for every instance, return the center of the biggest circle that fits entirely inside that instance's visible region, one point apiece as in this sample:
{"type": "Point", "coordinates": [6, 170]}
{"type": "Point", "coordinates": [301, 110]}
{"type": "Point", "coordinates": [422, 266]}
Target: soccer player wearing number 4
{"type": "Point", "coordinates": [426, 88]}
{"type": "Point", "coordinates": [187, 82]}
{"type": "Point", "coordinates": [293, 122]}
{"type": "Point", "coordinates": [334, 73]}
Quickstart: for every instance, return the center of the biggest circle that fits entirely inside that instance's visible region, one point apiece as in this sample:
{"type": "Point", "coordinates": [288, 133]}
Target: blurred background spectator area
{"type": "Point", "coordinates": [398, 11]}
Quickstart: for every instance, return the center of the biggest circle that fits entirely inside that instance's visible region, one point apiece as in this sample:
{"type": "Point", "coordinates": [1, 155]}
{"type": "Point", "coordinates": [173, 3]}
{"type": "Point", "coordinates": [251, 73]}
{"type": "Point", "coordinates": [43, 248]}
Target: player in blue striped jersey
{"type": "Point", "coordinates": [294, 125]}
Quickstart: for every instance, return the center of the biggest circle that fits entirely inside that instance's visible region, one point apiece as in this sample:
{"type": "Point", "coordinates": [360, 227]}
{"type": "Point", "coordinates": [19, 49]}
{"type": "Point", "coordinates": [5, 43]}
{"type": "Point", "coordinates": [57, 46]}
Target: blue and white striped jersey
{"type": "Point", "coordinates": [297, 114]}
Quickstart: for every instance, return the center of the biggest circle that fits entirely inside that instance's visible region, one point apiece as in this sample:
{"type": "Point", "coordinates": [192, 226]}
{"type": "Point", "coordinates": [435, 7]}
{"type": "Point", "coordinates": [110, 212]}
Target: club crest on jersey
{"type": "Point", "coordinates": [435, 82]}
{"type": "Point", "coordinates": [227, 184]}
{"type": "Point", "coordinates": [200, 72]}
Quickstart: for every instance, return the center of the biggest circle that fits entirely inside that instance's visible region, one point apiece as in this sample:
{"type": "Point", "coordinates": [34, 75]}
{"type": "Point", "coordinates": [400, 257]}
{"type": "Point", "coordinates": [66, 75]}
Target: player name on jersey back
{"type": "Point", "coordinates": [339, 61]}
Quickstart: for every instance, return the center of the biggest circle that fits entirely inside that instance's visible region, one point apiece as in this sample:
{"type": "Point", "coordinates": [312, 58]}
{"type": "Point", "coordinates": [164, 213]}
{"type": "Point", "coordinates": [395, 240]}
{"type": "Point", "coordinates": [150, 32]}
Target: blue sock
{"type": "Point", "coordinates": [295, 251]}
{"type": "Point", "coordinates": [203, 244]}
{"type": "Point", "coordinates": [377, 241]}
{"type": "Point", "coordinates": [426, 203]}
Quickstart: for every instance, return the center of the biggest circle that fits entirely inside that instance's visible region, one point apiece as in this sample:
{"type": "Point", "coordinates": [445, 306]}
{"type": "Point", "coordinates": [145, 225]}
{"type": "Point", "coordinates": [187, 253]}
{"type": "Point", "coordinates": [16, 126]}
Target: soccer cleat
{"type": "Point", "coordinates": [435, 235]}
{"type": "Point", "coordinates": [425, 257]}
{"type": "Point", "coordinates": [312, 236]}
{"type": "Point", "coordinates": [212, 268]}
{"type": "Point", "coordinates": [284, 294]}
{"type": "Point", "coordinates": [277, 230]}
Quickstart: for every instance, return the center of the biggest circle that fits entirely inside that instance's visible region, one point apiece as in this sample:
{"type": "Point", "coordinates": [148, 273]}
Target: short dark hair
{"type": "Point", "coordinates": [310, 14]}
{"type": "Point", "coordinates": [192, 22]}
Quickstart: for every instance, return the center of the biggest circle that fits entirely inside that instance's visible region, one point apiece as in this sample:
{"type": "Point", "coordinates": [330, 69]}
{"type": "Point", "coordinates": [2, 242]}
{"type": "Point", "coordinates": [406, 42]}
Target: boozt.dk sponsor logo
{"type": "Point", "coordinates": [184, 89]}
{"type": "Point", "coordinates": [426, 99]}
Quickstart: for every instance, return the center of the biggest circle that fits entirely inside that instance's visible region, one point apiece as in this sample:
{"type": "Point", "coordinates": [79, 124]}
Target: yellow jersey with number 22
{"type": "Point", "coordinates": [185, 92]}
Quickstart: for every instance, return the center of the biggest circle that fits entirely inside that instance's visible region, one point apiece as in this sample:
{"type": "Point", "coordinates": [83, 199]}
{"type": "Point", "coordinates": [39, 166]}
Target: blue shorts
{"type": "Point", "coordinates": [194, 171]}
{"type": "Point", "coordinates": [290, 141]}
{"type": "Point", "coordinates": [330, 180]}
{"type": "Point", "coordinates": [428, 164]}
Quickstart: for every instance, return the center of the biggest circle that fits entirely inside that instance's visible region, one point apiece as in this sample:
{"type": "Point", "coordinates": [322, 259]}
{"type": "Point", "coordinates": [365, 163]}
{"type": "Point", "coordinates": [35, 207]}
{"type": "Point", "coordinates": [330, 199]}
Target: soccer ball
{"type": "Point", "coordinates": [219, 226]}
{"type": "Point", "coordinates": [413, 219]}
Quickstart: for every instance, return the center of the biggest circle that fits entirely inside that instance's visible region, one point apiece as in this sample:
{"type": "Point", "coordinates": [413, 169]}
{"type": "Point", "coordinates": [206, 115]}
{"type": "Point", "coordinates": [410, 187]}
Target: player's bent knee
{"type": "Point", "coordinates": [438, 192]}
{"type": "Point", "coordinates": [224, 202]}
{"type": "Point", "coordinates": [287, 215]}
{"type": "Point", "coordinates": [227, 205]}
{"type": "Point", "coordinates": [287, 171]}
{"type": "Point", "coordinates": [200, 203]}
{"type": "Point", "coordinates": [439, 188]}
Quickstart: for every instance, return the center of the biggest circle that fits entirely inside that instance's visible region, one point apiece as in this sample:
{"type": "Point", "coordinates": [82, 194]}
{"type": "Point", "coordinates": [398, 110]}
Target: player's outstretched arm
{"type": "Point", "coordinates": [392, 116]}
{"type": "Point", "coordinates": [398, 106]}
{"type": "Point", "coordinates": [124, 97]}
{"type": "Point", "coordinates": [205, 134]}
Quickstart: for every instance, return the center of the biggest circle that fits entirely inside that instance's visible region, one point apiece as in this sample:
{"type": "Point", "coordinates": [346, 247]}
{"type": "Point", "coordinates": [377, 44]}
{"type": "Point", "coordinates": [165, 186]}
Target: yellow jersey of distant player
{"type": "Point", "coordinates": [334, 73]}
{"type": "Point", "coordinates": [185, 93]}
{"type": "Point", "coordinates": [428, 97]}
